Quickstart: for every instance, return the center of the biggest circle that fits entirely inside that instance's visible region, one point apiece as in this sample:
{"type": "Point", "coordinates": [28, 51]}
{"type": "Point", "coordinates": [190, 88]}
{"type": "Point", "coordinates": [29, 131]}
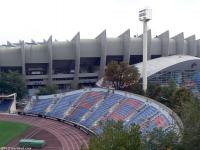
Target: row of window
{"type": "Point", "coordinates": [186, 78]}
{"type": "Point", "coordinates": [87, 65]}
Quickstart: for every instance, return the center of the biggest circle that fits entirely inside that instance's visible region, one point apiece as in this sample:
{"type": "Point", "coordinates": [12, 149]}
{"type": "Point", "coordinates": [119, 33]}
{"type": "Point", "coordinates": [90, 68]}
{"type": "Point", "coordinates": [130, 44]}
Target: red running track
{"type": "Point", "coordinates": [70, 137]}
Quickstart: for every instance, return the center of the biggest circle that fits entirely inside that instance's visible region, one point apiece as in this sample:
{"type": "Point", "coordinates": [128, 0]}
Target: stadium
{"type": "Point", "coordinates": [68, 120]}
{"type": "Point", "coordinates": [71, 64]}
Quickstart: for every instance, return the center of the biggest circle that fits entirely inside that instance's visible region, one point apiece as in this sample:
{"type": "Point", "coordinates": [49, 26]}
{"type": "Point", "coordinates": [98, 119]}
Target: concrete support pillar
{"type": "Point", "coordinates": [198, 47]}
{"type": "Point", "coordinates": [125, 37]}
{"type": "Point", "coordinates": [22, 44]}
{"type": "Point", "coordinates": [192, 48]}
{"type": "Point", "coordinates": [164, 37]}
{"type": "Point", "coordinates": [148, 43]}
{"type": "Point", "coordinates": [102, 42]}
{"type": "Point", "coordinates": [179, 43]}
{"type": "Point", "coordinates": [50, 49]}
{"type": "Point", "coordinates": [76, 48]}
{"type": "Point", "coordinates": [13, 108]}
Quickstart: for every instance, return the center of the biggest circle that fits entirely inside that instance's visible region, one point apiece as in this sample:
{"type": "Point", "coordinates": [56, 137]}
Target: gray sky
{"type": "Point", "coordinates": [38, 19]}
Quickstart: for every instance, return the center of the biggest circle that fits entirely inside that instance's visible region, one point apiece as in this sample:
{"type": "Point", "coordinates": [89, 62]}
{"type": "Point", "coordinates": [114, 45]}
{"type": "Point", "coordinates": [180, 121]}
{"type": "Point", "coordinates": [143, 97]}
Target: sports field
{"type": "Point", "coordinates": [11, 130]}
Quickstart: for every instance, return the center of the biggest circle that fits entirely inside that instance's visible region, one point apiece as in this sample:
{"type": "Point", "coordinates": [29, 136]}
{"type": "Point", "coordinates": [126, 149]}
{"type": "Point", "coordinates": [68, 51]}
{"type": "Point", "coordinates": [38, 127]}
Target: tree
{"type": "Point", "coordinates": [136, 89]}
{"type": "Point", "coordinates": [180, 96]}
{"type": "Point", "coordinates": [163, 94]}
{"type": "Point", "coordinates": [120, 75]}
{"type": "Point", "coordinates": [159, 139]}
{"type": "Point", "coordinates": [47, 89]}
{"type": "Point", "coordinates": [190, 116]}
{"type": "Point", "coordinates": [154, 91]}
{"type": "Point", "coordinates": [13, 82]}
{"type": "Point", "coordinates": [168, 90]}
{"type": "Point", "coordinates": [116, 137]}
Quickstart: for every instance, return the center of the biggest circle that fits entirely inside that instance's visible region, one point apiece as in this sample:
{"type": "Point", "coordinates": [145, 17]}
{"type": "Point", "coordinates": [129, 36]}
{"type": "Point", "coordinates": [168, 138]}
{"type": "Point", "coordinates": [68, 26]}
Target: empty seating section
{"type": "Point", "coordinates": [91, 107]}
{"type": "Point", "coordinates": [87, 101]}
{"type": "Point", "coordinates": [79, 113]}
{"type": "Point", "coordinates": [65, 103]}
{"type": "Point", "coordinates": [160, 121]}
{"type": "Point", "coordinates": [91, 98]}
{"type": "Point", "coordinates": [40, 106]}
{"type": "Point", "coordinates": [102, 110]}
{"type": "Point", "coordinates": [135, 103]}
{"type": "Point", "coordinates": [5, 105]}
{"type": "Point", "coordinates": [126, 109]}
{"type": "Point", "coordinates": [146, 113]}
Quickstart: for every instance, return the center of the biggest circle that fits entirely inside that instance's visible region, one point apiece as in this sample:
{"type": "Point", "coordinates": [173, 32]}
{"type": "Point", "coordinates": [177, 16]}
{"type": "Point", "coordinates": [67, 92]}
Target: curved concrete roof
{"type": "Point", "coordinates": [158, 64]}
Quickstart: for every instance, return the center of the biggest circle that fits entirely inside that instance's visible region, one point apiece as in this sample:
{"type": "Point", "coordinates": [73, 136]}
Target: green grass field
{"type": "Point", "coordinates": [11, 130]}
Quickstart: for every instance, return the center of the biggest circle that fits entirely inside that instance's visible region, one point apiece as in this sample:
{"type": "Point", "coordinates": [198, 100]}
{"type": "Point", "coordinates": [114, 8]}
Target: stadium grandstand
{"type": "Point", "coordinates": [90, 108]}
{"type": "Point", "coordinates": [70, 64]}
{"type": "Point", "coordinates": [68, 120]}
{"type": "Point", "coordinates": [8, 103]}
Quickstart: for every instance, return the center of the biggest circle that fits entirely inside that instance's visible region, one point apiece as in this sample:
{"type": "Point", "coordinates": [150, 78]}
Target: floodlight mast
{"type": "Point", "coordinates": [145, 16]}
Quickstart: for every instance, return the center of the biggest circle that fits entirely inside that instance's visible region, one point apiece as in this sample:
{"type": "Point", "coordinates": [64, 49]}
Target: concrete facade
{"type": "Point", "coordinates": [102, 43]}
{"type": "Point", "coordinates": [83, 61]}
{"type": "Point", "coordinates": [164, 37]}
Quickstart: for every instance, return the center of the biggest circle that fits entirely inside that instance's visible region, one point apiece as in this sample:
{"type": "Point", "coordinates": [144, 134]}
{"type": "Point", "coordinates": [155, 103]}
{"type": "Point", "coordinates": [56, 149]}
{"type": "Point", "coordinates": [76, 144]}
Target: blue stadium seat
{"type": "Point", "coordinates": [5, 105]}
{"type": "Point", "coordinates": [160, 121]}
{"type": "Point", "coordinates": [102, 109]}
{"type": "Point", "coordinates": [86, 102]}
{"type": "Point", "coordinates": [129, 107]}
{"type": "Point", "coordinates": [79, 113]}
{"type": "Point", "coordinates": [63, 105]}
{"type": "Point", "coordinates": [146, 113]}
{"type": "Point", "coordinates": [89, 108]}
{"type": "Point", "coordinates": [40, 106]}
{"type": "Point", "coordinates": [123, 111]}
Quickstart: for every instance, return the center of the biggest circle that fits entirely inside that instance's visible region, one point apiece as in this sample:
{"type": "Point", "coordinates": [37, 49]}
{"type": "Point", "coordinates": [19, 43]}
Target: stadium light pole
{"type": "Point", "coordinates": [145, 16]}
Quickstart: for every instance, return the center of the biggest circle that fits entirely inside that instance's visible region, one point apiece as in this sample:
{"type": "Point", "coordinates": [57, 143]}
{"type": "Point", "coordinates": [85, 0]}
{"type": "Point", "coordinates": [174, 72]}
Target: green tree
{"type": "Point", "coordinates": [47, 89]}
{"type": "Point", "coordinates": [169, 89]}
{"type": "Point", "coordinates": [180, 96]}
{"type": "Point", "coordinates": [120, 75]}
{"type": "Point", "coordinates": [13, 82]}
{"type": "Point", "coordinates": [164, 94]}
{"type": "Point", "coordinates": [116, 137]}
{"type": "Point", "coordinates": [154, 91]}
{"type": "Point", "coordinates": [190, 116]}
{"type": "Point", "coordinates": [159, 139]}
{"type": "Point", "coordinates": [136, 89]}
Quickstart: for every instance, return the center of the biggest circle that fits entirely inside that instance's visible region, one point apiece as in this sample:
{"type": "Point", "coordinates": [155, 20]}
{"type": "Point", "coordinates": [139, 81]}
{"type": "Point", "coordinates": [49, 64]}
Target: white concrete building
{"type": "Point", "coordinates": [82, 61]}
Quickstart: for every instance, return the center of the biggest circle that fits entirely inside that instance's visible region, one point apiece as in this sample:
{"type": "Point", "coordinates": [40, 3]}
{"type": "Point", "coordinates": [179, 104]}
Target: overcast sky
{"type": "Point", "coordinates": [38, 19]}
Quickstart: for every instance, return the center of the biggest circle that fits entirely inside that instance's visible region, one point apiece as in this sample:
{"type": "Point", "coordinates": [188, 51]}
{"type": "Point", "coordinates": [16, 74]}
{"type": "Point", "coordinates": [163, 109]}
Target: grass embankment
{"type": "Point", "coordinates": [11, 130]}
